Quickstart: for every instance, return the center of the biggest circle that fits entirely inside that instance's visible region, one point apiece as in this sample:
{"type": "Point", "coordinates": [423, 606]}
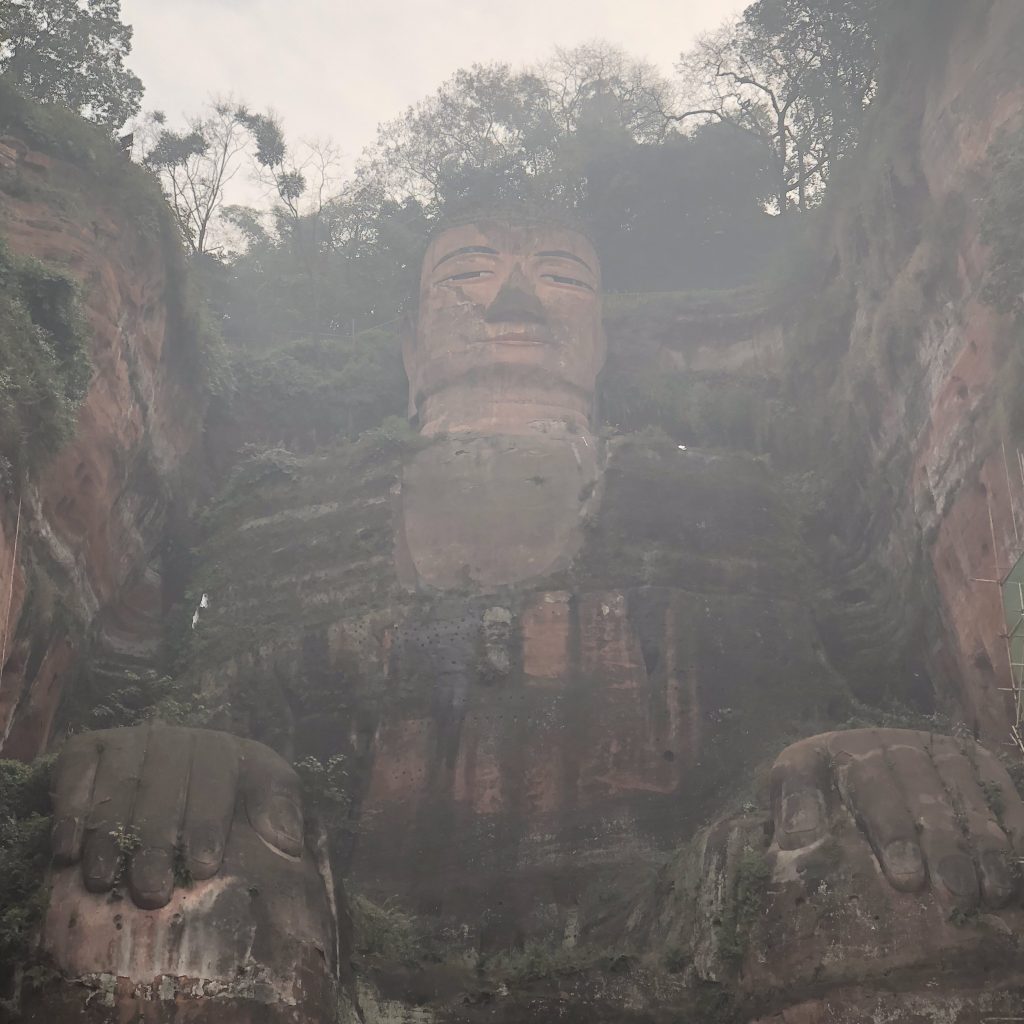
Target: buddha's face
{"type": "Point", "coordinates": [509, 328]}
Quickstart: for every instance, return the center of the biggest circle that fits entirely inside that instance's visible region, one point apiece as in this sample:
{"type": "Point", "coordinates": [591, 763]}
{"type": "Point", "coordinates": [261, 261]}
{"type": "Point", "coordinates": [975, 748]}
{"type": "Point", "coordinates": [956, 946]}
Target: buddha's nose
{"type": "Point", "coordinates": [516, 302]}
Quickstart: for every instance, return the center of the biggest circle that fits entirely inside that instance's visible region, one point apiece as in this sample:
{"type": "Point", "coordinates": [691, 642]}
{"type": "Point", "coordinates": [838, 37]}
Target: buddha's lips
{"type": "Point", "coordinates": [513, 339]}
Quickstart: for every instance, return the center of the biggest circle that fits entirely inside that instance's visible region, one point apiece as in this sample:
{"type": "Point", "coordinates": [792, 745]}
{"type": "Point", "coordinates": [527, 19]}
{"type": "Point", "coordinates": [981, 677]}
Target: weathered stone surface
{"type": "Point", "coordinates": [509, 336]}
{"type": "Point", "coordinates": [495, 511]}
{"type": "Point", "coordinates": [512, 751]}
{"type": "Point", "coordinates": [878, 886]}
{"type": "Point", "coordinates": [185, 885]}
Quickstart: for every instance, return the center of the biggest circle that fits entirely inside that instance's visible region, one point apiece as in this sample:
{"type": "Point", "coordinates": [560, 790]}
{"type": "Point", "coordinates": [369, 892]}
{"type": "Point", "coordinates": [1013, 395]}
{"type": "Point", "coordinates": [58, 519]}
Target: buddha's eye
{"type": "Point", "coordinates": [467, 275]}
{"type": "Point", "coordinates": [573, 282]}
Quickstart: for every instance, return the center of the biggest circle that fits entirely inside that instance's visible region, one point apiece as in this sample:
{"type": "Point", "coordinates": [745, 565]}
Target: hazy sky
{"type": "Point", "coordinates": [336, 68]}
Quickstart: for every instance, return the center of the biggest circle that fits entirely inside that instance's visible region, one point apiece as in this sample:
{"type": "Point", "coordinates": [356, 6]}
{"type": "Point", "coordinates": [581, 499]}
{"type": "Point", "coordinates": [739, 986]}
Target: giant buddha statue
{"type": "Point", "coordinates": [589, 723]}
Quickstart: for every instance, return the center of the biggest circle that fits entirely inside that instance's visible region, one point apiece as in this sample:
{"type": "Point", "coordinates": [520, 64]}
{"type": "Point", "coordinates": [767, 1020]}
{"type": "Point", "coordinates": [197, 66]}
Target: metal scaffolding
{"type": "Point", "coordinates": [1012, 587]}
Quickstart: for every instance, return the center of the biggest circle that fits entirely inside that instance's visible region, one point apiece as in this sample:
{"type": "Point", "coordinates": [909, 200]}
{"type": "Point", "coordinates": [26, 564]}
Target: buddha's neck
{"type": "Point", "coordinates": [478, 409]}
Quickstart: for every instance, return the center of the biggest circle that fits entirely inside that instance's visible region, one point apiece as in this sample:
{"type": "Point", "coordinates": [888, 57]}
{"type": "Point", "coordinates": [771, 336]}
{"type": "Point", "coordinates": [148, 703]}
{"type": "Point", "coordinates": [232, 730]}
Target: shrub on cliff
{"type": "Point", "coordinates": [1002, 230]}
{"type": "Point", "coordinates": [44, 365]}
{"type": "Point", "coordinates": [314, 391]}
{"type": "Point", "coordinates": [24, 854]}
{"type": "Point", "coordinates": [1002, 225]}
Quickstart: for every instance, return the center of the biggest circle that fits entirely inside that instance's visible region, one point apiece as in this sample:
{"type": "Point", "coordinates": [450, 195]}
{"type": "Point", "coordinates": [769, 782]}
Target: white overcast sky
{"type": "Point", "coordinates": [336, 69]}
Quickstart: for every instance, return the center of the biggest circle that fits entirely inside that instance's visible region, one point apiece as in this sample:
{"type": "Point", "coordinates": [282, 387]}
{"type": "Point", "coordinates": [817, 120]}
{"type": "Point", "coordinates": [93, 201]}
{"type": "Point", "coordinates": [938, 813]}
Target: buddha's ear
{"type": "Point", "coordinates": [407, 332]}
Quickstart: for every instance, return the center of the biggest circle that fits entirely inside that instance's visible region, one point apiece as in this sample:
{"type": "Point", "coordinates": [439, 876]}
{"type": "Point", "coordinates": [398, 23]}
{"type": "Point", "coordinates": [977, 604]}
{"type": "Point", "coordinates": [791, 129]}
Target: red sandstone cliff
{"type": "Point", "coordinates": [915, 387]}
{"type": "Point", "coordinates": [92, 518]}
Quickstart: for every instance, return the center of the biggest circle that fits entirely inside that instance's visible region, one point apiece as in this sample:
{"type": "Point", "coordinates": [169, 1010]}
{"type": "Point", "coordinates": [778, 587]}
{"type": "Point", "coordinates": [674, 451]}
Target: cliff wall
{"type": "Point", "coordinates": [85, 575]}
{"type": "Point", "coordinates": [906, 375]}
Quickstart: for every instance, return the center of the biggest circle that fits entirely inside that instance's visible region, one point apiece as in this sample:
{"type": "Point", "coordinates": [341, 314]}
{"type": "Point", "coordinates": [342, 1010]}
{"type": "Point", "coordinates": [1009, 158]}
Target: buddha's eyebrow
{"type": "Point", "coordinates": [466, 249]}
{"type": "Point", "coordinates": [565, 256]}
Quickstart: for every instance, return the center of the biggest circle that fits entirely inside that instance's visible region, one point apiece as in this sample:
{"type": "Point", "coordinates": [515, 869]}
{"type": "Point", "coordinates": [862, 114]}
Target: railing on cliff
{"type": "Point", "coordinates": [1011, 587]}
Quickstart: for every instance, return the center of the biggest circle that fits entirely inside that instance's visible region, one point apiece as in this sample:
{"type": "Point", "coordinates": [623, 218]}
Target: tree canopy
{"type": "Point", "coordinates": [676, 181]}
{"type": "Point", "coordinates": [797, 74]}
{"type": "Point", "coordinates": [71, 52]}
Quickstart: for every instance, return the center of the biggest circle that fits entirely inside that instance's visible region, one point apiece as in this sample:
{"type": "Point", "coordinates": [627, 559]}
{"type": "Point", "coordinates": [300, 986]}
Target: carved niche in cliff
{"type": "Point", "coordinates": [533, 750]}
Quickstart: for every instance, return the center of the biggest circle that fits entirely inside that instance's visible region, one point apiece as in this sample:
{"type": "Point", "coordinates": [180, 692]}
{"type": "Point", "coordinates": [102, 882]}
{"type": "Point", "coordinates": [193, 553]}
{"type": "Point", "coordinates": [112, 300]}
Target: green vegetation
{"type": "Point", "coordinates": [659, 311]}
{"type": "Point", "coordinates": [1002, 230]}
{"type": "Point", "coordinates": [539, 960]}
{"type": "Point", "coordinates": [183, 878]}
{"type": "Point", "coordinates": [652, 387]}
{"type": "Point", "coordinates": [384, 931]}
{"type": "Point", "coordinates": [192, 325]}
{"type": "Point", "coordinates": [670, 182]}
{"type": "Point", "coordinates": [961, 918]}
{"type": "Point", "coordinates": [672, 193]}
{"type": "Point", "coordinates": [715, 1004]}
{"type": "Point", "coordinates": [743, 905]}
{"type": "Point", "coordinates": [58, 132]}
{"type": "Point", "coordinates": [263, 473]}
{"type": "Point", "coordinates": [995, 798]}
{"type": "Point", "coordinates": [127, 840]}
{"type": "Point", "coordinates": [676, 959]}
{"type": "Point", "coordinates": [44, 365]}
{"type": "Point", "coordinates": [102, 701]}
{"type": "Point", "coordinates": [1015, 769]}
{"type": "Point", "coordinates": [24, 855]}
{"type": "Point", "coordinates": [327, 790]}
{"type": "Point", "coordinates": [796, 74]}
{"type": "Point", "coordinates": [712, 411]}
{"type": "Point", "coordinates": [1002, 224]}
{"type": "Point", "coordinates": [315, 391]}
{"type": "Point", "coordinates": [319, 525]}
{"type": "Point", "coordinates": [894, 714]}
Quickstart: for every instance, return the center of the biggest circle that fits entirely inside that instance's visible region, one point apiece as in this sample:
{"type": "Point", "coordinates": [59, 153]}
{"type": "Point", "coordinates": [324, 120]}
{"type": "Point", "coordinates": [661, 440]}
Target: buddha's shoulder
{"type": "Point", "coordinates": [682, 516]}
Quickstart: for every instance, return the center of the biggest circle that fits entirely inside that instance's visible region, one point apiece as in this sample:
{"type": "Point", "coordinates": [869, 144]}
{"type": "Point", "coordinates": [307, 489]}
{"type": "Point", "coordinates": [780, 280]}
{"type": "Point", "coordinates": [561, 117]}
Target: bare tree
{"type": "Point", "coordinates": [195, 167]}
{"type": "Point", "coordinates": [603, 77]}
{"type": "Point", "coordinates": [300, 184]}
{"type": "Point", "coordinates": [485, 119]}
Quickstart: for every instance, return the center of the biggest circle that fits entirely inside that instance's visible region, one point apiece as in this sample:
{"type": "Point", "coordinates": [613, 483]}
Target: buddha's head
{"type": "Point", "coordinates": [509, 336]}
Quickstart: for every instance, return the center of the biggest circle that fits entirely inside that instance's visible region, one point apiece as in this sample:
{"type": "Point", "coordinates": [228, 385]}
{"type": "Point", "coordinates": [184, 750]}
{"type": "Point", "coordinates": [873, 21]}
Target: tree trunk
{"type": "Point", "coordinates": [783, 154]}
{"type": "Point", "coordinates": [801, 171]}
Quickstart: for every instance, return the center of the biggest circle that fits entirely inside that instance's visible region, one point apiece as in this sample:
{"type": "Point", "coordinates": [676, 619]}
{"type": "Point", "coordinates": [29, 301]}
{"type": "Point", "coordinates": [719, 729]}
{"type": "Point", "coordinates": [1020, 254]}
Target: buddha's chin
{"type": "Point", "coordinates": [506, 409]}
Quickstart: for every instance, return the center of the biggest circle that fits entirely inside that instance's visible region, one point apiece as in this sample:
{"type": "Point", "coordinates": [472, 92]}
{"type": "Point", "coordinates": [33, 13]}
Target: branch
{"type": "Point", "coordinates": [690, 113]}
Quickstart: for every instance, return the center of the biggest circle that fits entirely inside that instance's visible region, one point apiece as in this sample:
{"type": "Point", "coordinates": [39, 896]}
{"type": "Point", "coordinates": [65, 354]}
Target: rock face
{"type": "Point", "coordinates": [227, 907]}
{"type": "Point", "coordinates": [912, 376]}
{"type": "Point", "coordinates": [523, 759]}
{"type": "Point", "coordinates": [496, 510]}
{"type": "Point", "coordinates": [93, 518]}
